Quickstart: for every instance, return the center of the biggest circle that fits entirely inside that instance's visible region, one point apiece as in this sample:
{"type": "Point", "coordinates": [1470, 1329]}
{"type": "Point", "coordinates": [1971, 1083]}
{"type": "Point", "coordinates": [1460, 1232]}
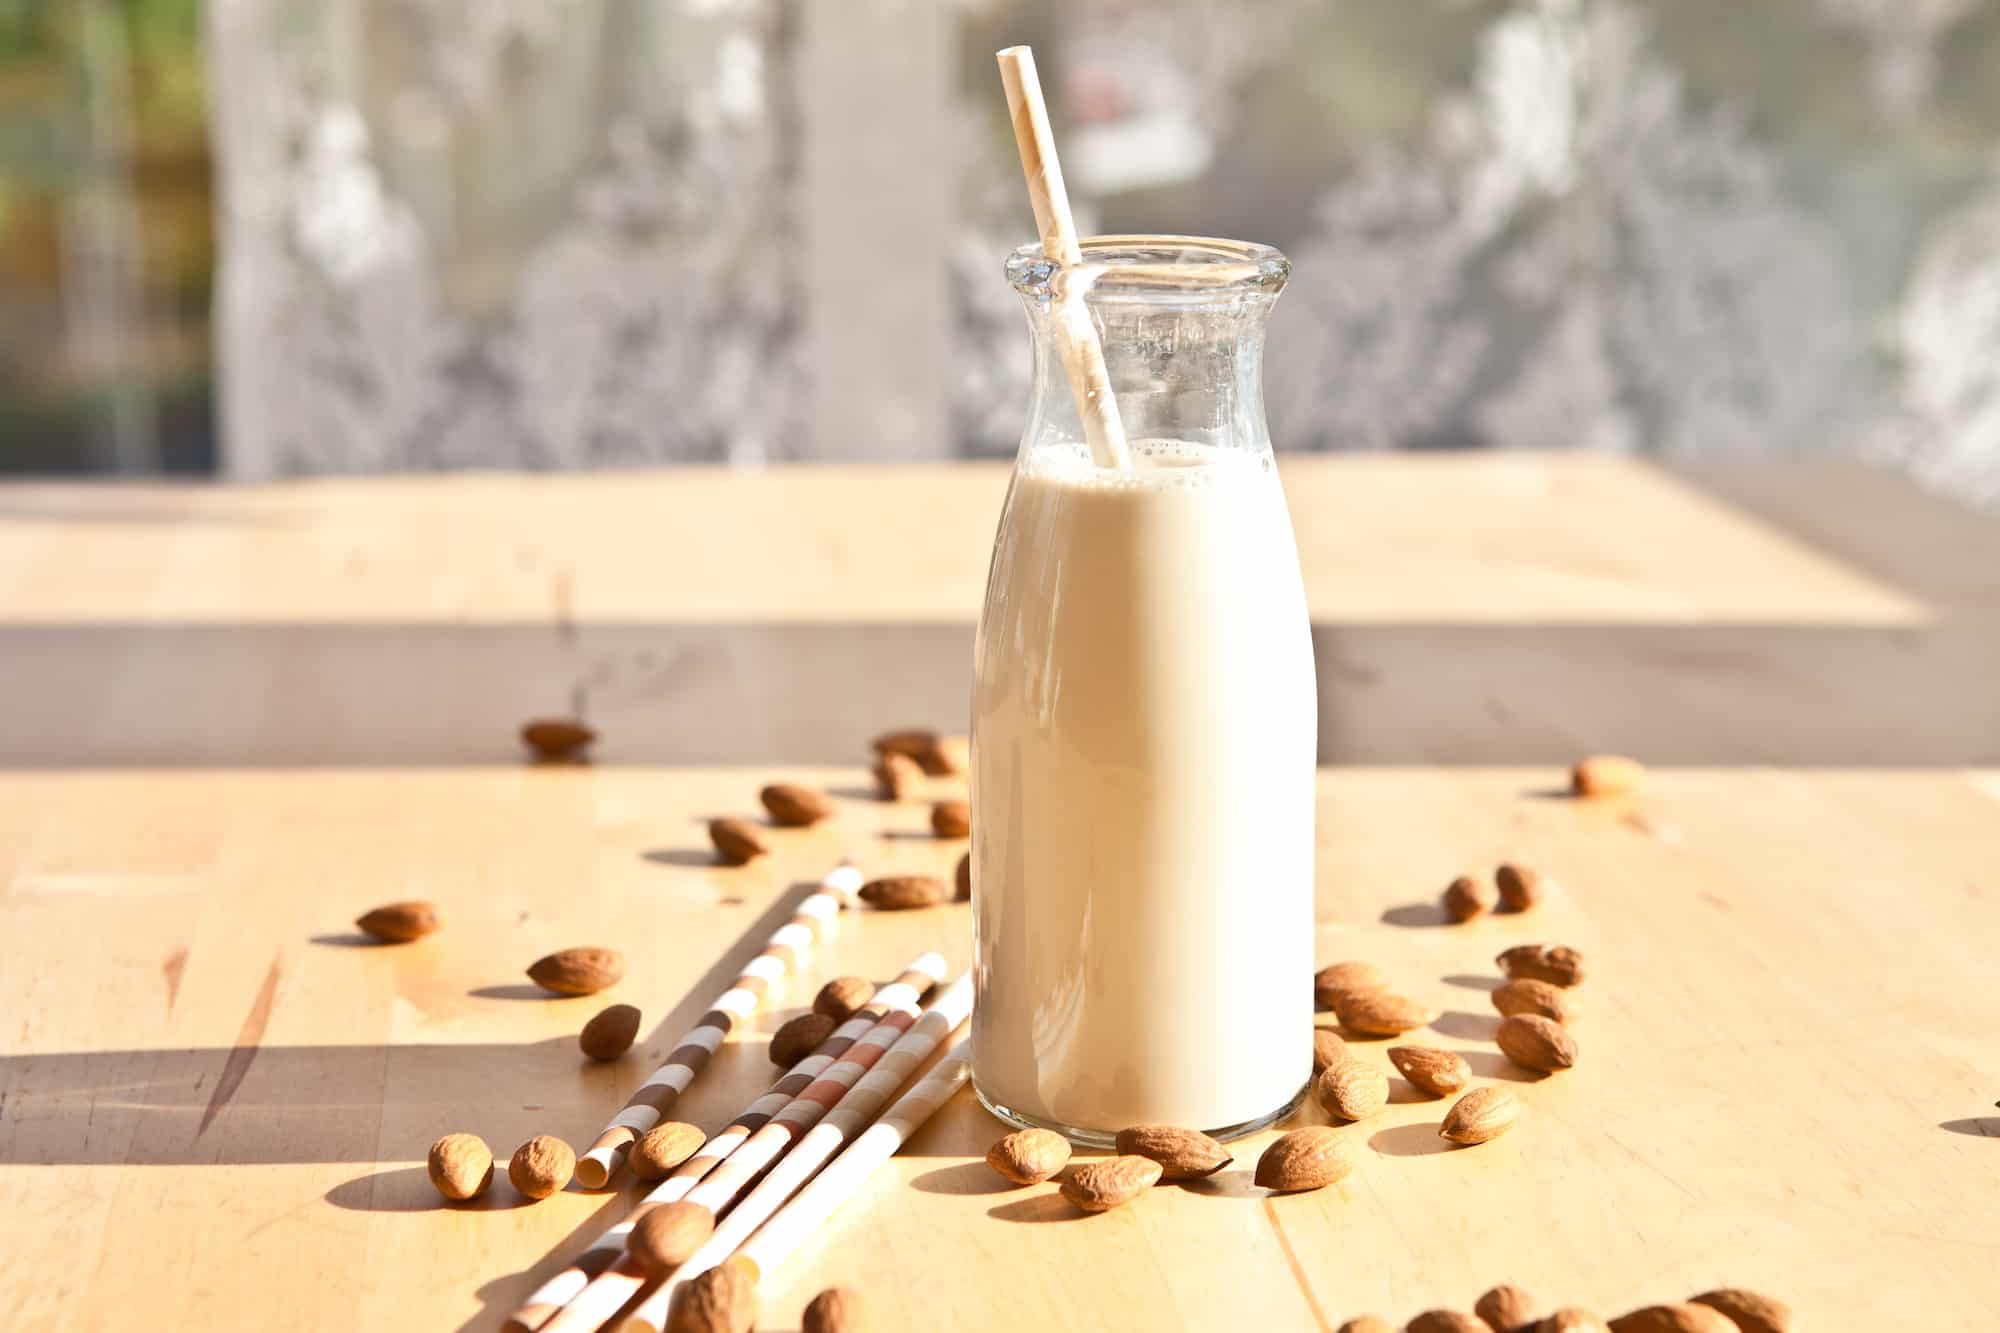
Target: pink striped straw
{"type": "Point", "coordinates": [902, 994]}
{"type": "Point", "coordinates": [611, 1289]}
{"type": "Point", "coordinates": [870, 1093]}
{"type": "Point", "coordinates": [651, 1100]}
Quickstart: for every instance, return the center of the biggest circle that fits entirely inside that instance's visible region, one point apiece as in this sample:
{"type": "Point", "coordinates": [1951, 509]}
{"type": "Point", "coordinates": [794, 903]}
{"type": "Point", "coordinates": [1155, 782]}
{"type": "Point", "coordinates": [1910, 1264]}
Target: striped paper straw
{"type": "Point", "coordinates": [616, 1285]}
{"type": "Point", "coordinates": [870, 1093]}
{"type": "Point", "coordinates": [904, 993]}
{"type": "Point", "coordinates": [792, 1223]}
{"type": "Point", "coordinates": [650, 1100]}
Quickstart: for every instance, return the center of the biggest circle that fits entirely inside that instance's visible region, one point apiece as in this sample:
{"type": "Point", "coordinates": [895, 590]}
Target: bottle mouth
{"type": "Point", "coordinates": [1200, 267]}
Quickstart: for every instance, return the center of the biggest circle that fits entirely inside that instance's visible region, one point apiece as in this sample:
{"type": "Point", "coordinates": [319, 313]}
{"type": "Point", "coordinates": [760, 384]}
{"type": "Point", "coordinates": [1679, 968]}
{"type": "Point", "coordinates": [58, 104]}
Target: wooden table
{"type": "Point", "coordinates": [233, 719]}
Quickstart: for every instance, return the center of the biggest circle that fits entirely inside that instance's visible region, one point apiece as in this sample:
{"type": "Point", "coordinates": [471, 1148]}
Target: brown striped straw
{"type": "Point", "coordinates": [870, 1093]}
{"type": "Point", "coordinates": [651, 1100]}
{"type": "Point", "coordinates": [609, 1291]}
{"type": "Point", "coordinates": [904, 993]}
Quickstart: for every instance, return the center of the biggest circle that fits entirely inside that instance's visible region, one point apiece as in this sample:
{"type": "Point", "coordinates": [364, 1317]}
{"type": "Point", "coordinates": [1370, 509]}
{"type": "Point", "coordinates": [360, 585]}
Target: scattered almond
{"type": "Point", "coordinates": [556, 737]}
{"type": "Point", "coordinates": [1102, 1184]}
{"type": "Point", "coordinates": [894, 893]}
{"type": "Point", "coordinates": [840, 998]}
{"type": "Point", "coordinates": [1673, 1319]}
{"type": "Point", "coordinates": [918, 743]}
{"type": "Point", "coordinates": [793, 805]}
{"type": "Point", "coordinates": [837, 1310]}
{"type": "Point", "coordinates": [1605, 775]}
{"type": "Point", "coordinates": [664, 1147]}
{"type": "Point", "coordinates": [722, 1300]}
{"type": "Point", "coordinates": [1331, 983]}
{"type": "Point", "coordinates": [399, 923]}
{"type": "Point", "coordinates": [1482, 1114]}
{"type": "Point", "coordinates": [1750, 1312]}
{"type": "Point", "coordinates": [950, 756]}
{"type": "Point", "coordinates": [964, 878]}
{"type": "Point", "coordinates": [951, 819]}
{"type": "Point", "coordinates": [1352, 1090]}
{"type": "Point", "coordinates": [1466, 898]}
{"type": "Point", "coordinates": [1381, 1014]}
{"type": "Point", "coordinates": [541, 1166]}
{"type": "Point", "coordinates": [737, 842]}
{"type": "Point", "coordinates": [1368, 1323]}
{"type": "Point", "coordinates": [896, 776]}
{"type": "Point", "coordinates": [461, 1166]}
{"type": "Point", "coordinates": [1572, 1319]}
{"type": "Point", "coordinates": [1527, 996]}
{"type": "Point", "coordinates": [1029, 1156]}
{"type": "Point", "coordinates": [611, 1033]}
{"type": "Point", "coordinates": [1507, 1309]}
{"type": "Point", "coordinates": [1306, 1159]}
{"type": "Point", "coordinates": [1557, 964]}
{"type": "Point", "coordinates": [1536, 1043]}
{"type": "Point", "coordinates": [666, 1234]}
{"type": "Point", "coordinates": [1328, 1048]}
{"type": "Point", "coordinates": [1446, 1321]}
{"type": "Point", "coordinates": [798, 1038]}
{"type": "Point", "coordinates": [1183, 1154]}
{"type": "Point", "coordinates": [1521, 887]}
{"type": "Point", "coordinates": [581, 971]}
{"type": "Point", "coordinates": [1428, 1069]}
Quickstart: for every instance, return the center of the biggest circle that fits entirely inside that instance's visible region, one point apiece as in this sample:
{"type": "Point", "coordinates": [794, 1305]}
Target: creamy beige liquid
{"type": "Point", "coordinates": [1144, 741]}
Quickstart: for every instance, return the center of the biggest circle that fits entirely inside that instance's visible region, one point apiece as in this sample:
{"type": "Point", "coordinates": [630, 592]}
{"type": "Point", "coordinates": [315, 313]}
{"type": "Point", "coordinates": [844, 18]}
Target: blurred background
{"type": "Point", "coordinates": [257, 238]}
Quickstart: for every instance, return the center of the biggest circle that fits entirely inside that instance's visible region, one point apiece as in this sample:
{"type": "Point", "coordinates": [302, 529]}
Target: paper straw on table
{"type": "Point", "coordinates": [871, 1092]}
{"type": "Point", "coordinates": [1082, 354]}
{"type": "Point", "coordinates": [903, 994]}
{"type": "Point", "coordinates": [610, 1290]}
{"type": "Point", "coordinates": [649, 1102]}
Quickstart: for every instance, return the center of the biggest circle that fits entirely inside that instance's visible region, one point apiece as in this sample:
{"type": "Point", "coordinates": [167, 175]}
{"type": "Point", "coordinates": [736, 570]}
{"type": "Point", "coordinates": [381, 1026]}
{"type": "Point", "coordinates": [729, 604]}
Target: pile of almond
{"type": "Point", "coordinates": [1515, 888]}
{"type": "Point", "coordinates": [1509, 1309]}
{"type": "Point", "coordinates": [461, 1166]}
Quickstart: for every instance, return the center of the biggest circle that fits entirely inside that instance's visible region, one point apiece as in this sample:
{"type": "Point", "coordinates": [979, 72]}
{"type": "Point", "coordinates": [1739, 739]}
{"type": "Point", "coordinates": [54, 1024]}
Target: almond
{"type": "Point", "coordinates": [737, 842]}
{"type": "Point", "coordinates": [799, 1038]}
{"type": "Point", "coordinates": [1101, 1185]}
{"type": "Point", "coordinates": [1306, 1159]}
{"type": "Point", "coordinates": [666, 1234]}
{"type": "Point", "coordinates": [541, 1166]}
{"type": "Point", "coordinates": [1341, 979]}
{"type": "Point", "coordinates": [1521, 887]}
{"type": "Point", "coordinates": [918, 743]}
{"type": "Point", "coordinates": [399, 923]}
{"type": "Point", "coordinates": [583, 971]}
{"type": "Point", "coordinates": [837, 1310]}
{"type": "Point", "coordinates": [1527, 996]}
{"type": "Point", "coordinates": [664, 1147]}
{"type": "Point", "coordinates": [794, 806]}
{"type": "Point", "coordinates": [1445, 1321]}
{"type": "Point", "coordinates": [611, 1033]}
{"type": "Point", "coordinates": [556, 737]}
{"type": "Point", "coordinates": [1029, 1156]}
{"type": "Point", "coordinates": [461, 1166]}
{"type": "Point", "coordinates": [951, 819]}
{"type": "Point", "coordinates": [722, 1300]}
{"type": "Point", "coordinates": [1750, 1312]}
{"type": "Point", "coordinates": [1572, 1319]}
{"type": "Point", "coordinates": [1183, 1154]}
{"type": "Point", "coordinates": [1466, 898]}
{"type": "Point", "coordinates": [1605, 775]}
{"type": "Point", "coordinates": [1352, 1090]}
{"type": "Point", "coordinates": [896, 776]}
{"type": "Point", "coordinates": [1381, 1014]}
{"type": "Point", "coordinates": [894, 893]}
{"type": "Point", "coordinates": [1507, 1309]}
{"type": "Point", "coordinates": [1482, 1114]}
{"type": "Point", "coordinates": [1537, 1043]}
{"type": "Point", "coordinates": [1368, 1323]}
{"type": "Point", "coordinates": [1557, 964]}
{"type": "Point", "coordinates": [840, 998]}
{"type": "Point", "coordinates": [964, 878]}
{"type": "Point", "coordinates": [1673, 1319]}
{"type": "Point", "coordinates": [1428, 1069]}
{"type": "Point", "coordinates": [1328, 1048]}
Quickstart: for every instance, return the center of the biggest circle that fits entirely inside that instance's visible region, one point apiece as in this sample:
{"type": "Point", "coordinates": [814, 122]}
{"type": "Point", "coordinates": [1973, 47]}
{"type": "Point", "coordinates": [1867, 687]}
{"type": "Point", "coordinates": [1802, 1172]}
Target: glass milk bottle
{"type": "Point", "coordinates": [1144, 722]}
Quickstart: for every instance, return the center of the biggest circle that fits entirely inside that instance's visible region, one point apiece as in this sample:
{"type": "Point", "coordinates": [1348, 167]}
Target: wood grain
{"type": "Point", "coordinates": [237, 717]}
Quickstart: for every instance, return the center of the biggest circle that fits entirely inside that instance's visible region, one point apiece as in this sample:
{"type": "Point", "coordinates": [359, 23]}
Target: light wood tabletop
{"type": "Point", "coordinates": [236, 718]}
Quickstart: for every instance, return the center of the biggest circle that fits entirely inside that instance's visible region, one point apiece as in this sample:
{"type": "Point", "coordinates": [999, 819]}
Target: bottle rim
{"type": "Point", "coordinates": [1205, 267]}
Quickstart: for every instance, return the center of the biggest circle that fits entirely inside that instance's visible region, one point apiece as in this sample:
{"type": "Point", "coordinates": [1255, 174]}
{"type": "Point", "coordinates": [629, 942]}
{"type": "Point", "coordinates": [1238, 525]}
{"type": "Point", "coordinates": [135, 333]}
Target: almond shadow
{"type": "Point", "coordinates": [965, 1178]}
{"type": "Point", "coordinates": [1469, 1026]}
{"type": "Point", "coordinates": [1417, 916]}
{"type": "Point", "coordinates": [1050, 1207]}
{"type": "Point", "coordinates": [1418, 1140]}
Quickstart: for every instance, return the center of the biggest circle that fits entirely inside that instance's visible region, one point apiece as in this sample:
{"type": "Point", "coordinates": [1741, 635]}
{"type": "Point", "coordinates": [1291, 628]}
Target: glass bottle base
{"type": "Point", "coordinates": [1098, 1138]}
